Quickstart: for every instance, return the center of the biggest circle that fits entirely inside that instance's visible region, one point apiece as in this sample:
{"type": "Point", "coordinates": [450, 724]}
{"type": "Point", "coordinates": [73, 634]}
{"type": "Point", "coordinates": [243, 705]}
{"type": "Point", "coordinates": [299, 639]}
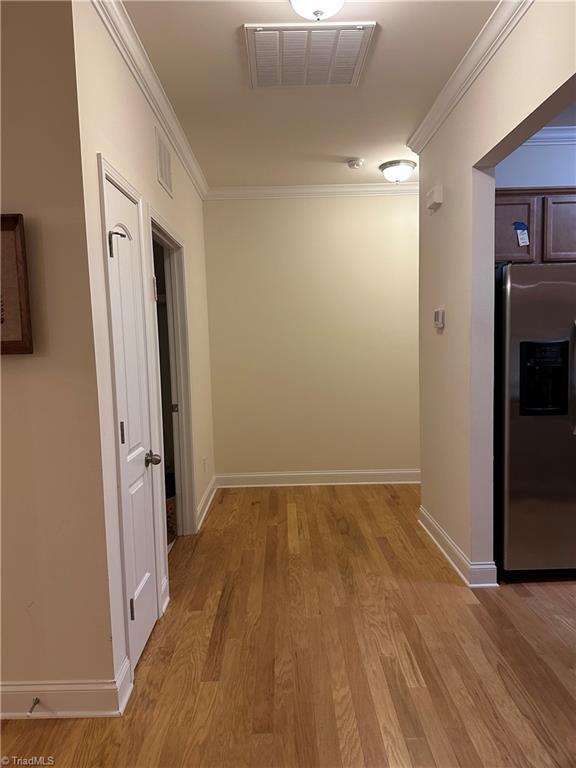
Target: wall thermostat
{"type": "Point", "coordinates": [440, 318]}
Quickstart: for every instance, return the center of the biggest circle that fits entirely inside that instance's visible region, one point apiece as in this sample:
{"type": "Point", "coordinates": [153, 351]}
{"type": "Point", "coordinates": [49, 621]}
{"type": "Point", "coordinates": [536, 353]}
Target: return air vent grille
{"type": "Point", "coordinates": [307, 54]}
{"type": "Point", "coordinates": [164, 163]}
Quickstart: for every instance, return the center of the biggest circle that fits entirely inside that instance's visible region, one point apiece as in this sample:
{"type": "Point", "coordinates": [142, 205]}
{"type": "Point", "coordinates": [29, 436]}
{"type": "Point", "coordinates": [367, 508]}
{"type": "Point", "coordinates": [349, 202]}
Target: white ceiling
{"type": "Point", "coordinates": [301, 135]}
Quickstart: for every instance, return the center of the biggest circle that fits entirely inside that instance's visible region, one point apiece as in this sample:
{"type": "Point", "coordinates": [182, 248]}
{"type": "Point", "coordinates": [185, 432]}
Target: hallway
{"type": "Point", "coordinates": [318, 626]}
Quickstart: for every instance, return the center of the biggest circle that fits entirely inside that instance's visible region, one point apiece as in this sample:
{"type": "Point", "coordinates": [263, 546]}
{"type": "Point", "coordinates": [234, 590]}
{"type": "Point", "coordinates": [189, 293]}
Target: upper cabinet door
{"type": "Point", "coordinates": [560, 228]}
{"type": "Point", "coordinates": [525, 209]}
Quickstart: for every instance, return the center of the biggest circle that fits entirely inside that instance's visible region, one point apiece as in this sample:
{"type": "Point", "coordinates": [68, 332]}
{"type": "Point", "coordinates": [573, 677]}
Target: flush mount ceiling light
{"type": "Point", "coordinates": [317, 10]}
{"type": "Point", "coordinates": [397, 170]}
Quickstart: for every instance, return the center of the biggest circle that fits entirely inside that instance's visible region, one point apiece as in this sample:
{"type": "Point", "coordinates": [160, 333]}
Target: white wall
{"type": "Point", "coordinates": [532, 165]}
{"type": "Point", "coordinates": [313, 325]}
{"type": "Point", "coordinates": [456, 270]}
{"type": "Point", "coordinates": [55, 612]}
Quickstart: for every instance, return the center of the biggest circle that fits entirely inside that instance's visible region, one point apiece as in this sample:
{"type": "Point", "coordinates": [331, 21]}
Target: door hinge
{"type": "Point", "coordinates": [174, 407]}
{"type": "Point", "coordinates": [110, 236]}
{"type": "Point", "coordinates": [131, 609]}
{"type": "Point", "coordinates": [122, 435]}
{"type": "Point", "coordinates": [155, 287]}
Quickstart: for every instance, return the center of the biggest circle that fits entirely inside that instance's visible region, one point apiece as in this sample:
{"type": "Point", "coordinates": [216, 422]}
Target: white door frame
{"type": "Point", "coordinates": [111, 440]}
{"type": "Point", "coordinates": [176, 292]}
{"type": "Point", "coordinates": [175, 416]}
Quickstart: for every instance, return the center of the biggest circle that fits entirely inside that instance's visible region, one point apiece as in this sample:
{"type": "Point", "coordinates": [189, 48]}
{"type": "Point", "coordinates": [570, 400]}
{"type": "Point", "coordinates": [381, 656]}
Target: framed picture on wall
{"type": "Point", "coordinates": [15, 324]}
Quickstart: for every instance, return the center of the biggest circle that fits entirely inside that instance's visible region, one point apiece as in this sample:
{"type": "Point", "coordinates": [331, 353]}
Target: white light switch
{"type": "Point", "coordinates": [439, 318]}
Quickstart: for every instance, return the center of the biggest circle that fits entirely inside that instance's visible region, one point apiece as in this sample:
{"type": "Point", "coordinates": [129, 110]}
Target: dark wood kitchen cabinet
{"type": "Point", "coordinates": [559, 228]}
{"type": "Point", "coordinates": [525, 208]}
{"type": "Point", "coordinates": [549, 214]}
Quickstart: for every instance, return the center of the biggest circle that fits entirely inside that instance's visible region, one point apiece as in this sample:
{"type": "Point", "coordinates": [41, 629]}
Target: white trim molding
{"type": "Point", "coordinates": [312, 190]}
{"type": "Point", "coordinates": [553, 135]}
{"type": "Point", "coordinates": [68, 698]}
{"type": "Point", "coordinates": [338, 477]}
{"type": "Point", "coordinates": [177, 286]}
{"type": "Point", "coordinates": [474, 574]}
{"type": "Point", "coordinates": [205, 503]}
{"type": "Point", "coordinates": [118, 23]}
{"type": "Point", "coordinates": [503, 20]}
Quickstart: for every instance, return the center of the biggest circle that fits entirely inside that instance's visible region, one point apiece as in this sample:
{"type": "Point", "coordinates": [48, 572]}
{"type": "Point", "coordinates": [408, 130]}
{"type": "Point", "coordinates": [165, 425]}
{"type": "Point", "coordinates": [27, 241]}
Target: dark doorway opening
{"type": "Point", "coordinates": [165, 319]}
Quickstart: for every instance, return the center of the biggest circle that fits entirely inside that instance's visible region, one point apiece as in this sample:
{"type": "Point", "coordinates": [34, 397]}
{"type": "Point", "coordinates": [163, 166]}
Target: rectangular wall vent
{"type": "Point", "coordinates": [164, 163]}
{"type": "Point", "coordinates": [307, 54]}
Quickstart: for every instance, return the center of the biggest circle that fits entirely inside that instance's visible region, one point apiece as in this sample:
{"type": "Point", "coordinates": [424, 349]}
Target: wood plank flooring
{"type": "Point", "coordinates": [319, 626]}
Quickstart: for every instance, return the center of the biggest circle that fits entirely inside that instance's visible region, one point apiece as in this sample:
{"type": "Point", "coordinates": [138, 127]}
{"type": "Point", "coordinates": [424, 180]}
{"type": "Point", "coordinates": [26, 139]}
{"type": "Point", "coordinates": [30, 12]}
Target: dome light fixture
{"type": "Point", "coordinates": [397, 170]}
{"type": "Point", "coordinates": [316, 10]}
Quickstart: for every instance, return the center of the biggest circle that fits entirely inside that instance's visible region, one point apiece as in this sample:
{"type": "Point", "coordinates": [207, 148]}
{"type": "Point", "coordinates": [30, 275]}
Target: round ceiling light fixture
{"type": "Point", "coordinates": [397, 170]}
{"type": "Point", "coordinates": [316, 10]}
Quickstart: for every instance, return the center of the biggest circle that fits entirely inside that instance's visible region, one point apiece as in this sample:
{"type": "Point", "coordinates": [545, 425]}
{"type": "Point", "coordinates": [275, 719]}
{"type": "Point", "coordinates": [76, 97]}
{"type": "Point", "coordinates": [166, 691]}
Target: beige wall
{"type": "Point", "coordinates": [456, 270]}
{"type": "Point", "coordinates": [313, 327]}
{"type": "Point", "coordinates": [55, 614]}
{"type": "Point", "coordinates": [117, 121]}
{"type": "Point", "coordinates": [67, 95]}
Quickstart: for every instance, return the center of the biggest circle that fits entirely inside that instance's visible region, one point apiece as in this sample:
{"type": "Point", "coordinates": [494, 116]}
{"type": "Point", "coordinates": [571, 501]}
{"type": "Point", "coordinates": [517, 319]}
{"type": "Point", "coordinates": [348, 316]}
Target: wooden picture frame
{"type": "Point", "coordinates": [15, 322]}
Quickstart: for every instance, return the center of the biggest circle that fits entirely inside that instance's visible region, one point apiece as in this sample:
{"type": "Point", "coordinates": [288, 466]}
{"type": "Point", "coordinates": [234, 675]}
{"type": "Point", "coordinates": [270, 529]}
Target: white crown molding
{"type": "Point", "coordinates": [312, 190]}
{"type": "Point", "coordinates": [552, 135]}
{"type": "Point", "coordinates": [338, 477]}
{"type": "Point", "coordinates": [68, 698]}
{"type": "Point", "coordinates": [118, 23]}
{"type": "Point", "coordinates": [503, 20]}
{"type": "Point", "coordinates": [474, 574]}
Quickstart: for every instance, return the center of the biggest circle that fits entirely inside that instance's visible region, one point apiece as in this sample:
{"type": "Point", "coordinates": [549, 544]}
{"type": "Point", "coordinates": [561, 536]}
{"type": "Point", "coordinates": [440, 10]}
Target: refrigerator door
{"type": "Point", "coordinates": [540, 429]}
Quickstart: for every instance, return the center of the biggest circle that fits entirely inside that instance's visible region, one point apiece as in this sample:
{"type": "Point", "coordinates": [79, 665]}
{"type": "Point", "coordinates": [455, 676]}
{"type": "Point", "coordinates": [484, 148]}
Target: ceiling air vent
{"type": "Point", "coordinates": [307, 54]}
{"type": "Point", "coordinates": [164, 163]}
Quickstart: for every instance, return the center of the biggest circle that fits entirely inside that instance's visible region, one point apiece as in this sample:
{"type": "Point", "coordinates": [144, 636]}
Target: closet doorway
{"type": "Point", "coordinates": [173, 373]}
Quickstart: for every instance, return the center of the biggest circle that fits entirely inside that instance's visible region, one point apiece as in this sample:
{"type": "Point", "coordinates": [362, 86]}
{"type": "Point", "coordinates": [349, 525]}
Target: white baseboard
{"type": "Point", "coordinates": [474, 574]}
{"type": "Point", "coordinates": [205, 502]}
{"type": "Point", "coordinates": [67, 698]}
{"type": "Point", "coordinates": [124, 684]}
{"type": "Point", "coordinates": [165, 594]}
{"type": "Point", "coordinates": [339, 477]}
{"type": "Point", "coordinates": [259, 479]}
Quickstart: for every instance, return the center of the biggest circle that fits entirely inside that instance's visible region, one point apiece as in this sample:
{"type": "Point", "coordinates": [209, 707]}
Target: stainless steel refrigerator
{"type": "Point", "coordinates": [536, 421]}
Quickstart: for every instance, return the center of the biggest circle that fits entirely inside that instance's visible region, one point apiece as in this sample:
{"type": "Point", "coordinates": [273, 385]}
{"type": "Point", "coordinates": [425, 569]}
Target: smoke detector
{"type": "Point", "coordinates": [320, 53]}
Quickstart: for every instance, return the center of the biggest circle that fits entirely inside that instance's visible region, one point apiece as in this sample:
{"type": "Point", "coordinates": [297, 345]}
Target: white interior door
{"type": "Point", "coordinates": [127, 315]}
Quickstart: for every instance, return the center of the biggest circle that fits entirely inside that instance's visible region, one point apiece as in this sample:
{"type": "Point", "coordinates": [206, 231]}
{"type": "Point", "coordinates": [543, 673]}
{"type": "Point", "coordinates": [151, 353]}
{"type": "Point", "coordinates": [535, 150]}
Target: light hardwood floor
{"type": "Point", "coordinates": [319, 626]}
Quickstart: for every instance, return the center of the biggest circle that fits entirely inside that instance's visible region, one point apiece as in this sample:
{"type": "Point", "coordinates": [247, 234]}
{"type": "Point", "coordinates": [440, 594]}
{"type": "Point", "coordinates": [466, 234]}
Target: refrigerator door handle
{"type": "Point", "coordinates": [572, 381]}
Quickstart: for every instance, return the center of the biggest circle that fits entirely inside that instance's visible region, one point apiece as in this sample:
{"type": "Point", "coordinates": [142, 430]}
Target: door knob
{"type": "Point", "coordinates": [152, 458]}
